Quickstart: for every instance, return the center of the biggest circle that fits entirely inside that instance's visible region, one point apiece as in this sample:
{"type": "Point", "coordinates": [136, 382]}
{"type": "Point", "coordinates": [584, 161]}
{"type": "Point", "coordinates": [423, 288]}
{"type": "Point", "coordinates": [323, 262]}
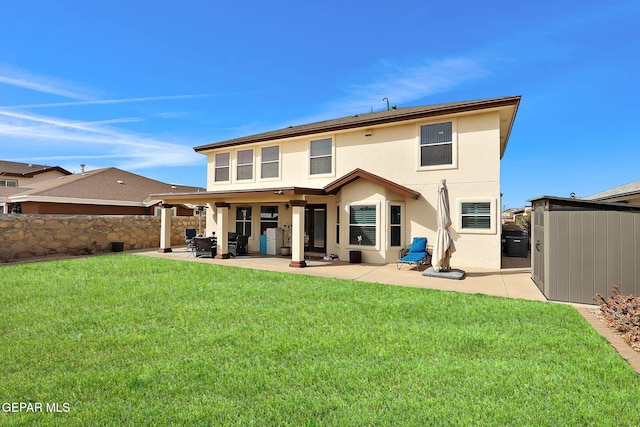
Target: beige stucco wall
{"type": "Point", "coordinates": [391, 152]}
{"type": "Point", "coordinates": [24, 236]}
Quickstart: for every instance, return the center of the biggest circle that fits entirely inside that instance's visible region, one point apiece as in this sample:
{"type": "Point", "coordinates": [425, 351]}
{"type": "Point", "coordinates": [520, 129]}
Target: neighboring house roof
{"type": "Point", "coordinates": [27, 170]}
{"type": "Point", "coordinates": [507, 117]}
{"type": "Point", "coordinates": [618, 194]}
{"type": "Point", "coordinates": [101, 186]}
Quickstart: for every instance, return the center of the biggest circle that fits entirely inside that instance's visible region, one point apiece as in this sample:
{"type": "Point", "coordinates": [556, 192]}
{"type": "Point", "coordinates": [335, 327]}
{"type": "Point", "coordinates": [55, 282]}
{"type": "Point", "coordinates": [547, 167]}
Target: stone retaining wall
{"type": "Point", "coordinates": [25, 236]}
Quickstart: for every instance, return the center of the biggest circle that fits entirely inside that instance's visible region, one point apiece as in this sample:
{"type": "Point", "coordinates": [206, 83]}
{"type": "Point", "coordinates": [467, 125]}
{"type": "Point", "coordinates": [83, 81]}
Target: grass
{"type": "Point", "coordinates": [128, 340]}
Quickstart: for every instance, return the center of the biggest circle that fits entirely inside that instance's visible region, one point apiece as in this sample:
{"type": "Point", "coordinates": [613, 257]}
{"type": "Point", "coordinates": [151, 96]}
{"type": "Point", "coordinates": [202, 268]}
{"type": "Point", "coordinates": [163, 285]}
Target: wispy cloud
{"type": "Point", "coordinates": [106, 101]}
{"type": "Point", "coordinates": [402, 83]}
{"type": "Point", "coordinates": [17, 77]}
{"type": "Point", "coordinates": [94, 139]}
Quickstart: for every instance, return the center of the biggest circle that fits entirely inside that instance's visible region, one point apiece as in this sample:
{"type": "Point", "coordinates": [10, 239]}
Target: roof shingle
{"type": "Point", "coordinates": [368, 119]}
{"type": "Point", "coordinates": [100, 184]}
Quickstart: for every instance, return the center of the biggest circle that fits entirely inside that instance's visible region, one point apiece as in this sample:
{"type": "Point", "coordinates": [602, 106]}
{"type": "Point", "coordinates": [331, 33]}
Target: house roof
{"type": "Point", "coordinates": [508, 107]}
{"type": "Point", "coordinates": [226, 194]}
{"type": "Point", "coordinates": [335, 186]}
{"type": "Point", "coordinates": [100, 186]}
{"type": "Point", "coordinates": [618, 194]}
{"type": "Point", "coordinates": [331, 188]}
{"type": "Point", "coordinates": [27, 170]}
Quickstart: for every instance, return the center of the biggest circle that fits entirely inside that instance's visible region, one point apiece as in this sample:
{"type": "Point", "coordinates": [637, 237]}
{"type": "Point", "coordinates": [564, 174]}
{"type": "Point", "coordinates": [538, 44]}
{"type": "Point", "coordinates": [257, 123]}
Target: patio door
{"type": "Point", "coordinates": [315, 224]}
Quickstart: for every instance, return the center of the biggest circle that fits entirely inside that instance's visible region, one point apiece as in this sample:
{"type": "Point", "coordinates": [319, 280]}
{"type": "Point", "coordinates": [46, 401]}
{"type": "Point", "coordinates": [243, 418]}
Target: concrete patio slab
{"type": "Point", "coordinates": [509, 282]}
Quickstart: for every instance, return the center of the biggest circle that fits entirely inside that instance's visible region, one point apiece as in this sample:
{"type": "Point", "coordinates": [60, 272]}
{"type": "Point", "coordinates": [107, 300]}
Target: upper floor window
{"type": "Point", "coordinates": [436, 144]}
{"type": "Point", "coordinates": [245, 164]}
{"type": "Point", "coordinates": [221, 167]}
{"type": "Point", "coordinates": [320, 156]}
{"type": "Point", "coordinates": [270, 162]}
{"type": "Point", "coordinates": [8, 183]}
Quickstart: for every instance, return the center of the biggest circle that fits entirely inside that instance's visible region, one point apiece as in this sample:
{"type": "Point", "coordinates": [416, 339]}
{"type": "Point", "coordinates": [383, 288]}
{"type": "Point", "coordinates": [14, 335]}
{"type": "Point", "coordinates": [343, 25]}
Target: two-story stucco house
{"type": "Point", "coordinates": [367, 182]}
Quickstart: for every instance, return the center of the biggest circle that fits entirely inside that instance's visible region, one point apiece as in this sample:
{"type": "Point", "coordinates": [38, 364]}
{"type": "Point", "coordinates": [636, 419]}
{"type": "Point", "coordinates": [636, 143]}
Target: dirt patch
{"type": "Point", "coordinates": [621, 313]}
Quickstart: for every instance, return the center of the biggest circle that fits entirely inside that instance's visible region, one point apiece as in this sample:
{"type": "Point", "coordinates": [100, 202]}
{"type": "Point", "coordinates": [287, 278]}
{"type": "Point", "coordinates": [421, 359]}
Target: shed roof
{"type": "Point", "coordinates": [562, 203]}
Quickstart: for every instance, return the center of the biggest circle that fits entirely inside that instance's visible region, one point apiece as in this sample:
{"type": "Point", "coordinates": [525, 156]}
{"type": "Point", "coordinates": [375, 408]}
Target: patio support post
{"type": "Point", "coordinates": [297, 233]}
{"type": "Point", "coordinates": [165, 228]}
{"type": "Point", "coordinates": [222, 229]}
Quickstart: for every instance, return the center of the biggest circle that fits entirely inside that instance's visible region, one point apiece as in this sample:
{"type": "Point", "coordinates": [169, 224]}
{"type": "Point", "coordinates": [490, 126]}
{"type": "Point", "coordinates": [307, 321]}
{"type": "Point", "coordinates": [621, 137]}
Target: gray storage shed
{"type": "Point", "coordinates": [580, 248]}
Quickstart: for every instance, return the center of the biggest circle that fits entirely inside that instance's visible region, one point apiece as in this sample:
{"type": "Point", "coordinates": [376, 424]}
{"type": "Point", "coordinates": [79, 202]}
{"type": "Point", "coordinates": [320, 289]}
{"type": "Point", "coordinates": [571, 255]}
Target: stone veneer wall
{"type": "Point", "coordinates": [24, 236]}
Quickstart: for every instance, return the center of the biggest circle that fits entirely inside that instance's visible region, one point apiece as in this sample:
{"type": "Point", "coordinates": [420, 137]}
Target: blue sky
{"type": "Point", "coordinates": [137, 84]}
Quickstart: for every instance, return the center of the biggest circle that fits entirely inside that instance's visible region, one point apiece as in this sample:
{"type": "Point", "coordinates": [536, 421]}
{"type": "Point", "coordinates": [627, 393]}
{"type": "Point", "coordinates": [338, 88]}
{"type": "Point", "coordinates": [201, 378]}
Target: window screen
{"type": "Point", "coordinates": [245, 164]}
{"type": "Point", "coordinates": [436, 144]}
{"type": "Point", "coordinates": [270, 162]}
{"type": "Point", "coordinates": [320, 156]}
{"type": "Point", "coordinates": [476, 215]}
{"type": "Point", "coordinates": [362, 222]}
{"type": "Point", "coordinates": [222, 167]}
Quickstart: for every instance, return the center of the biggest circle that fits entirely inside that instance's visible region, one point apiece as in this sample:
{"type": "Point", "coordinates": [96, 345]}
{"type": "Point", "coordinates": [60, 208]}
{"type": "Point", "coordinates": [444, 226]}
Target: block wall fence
{"type": "Point", "coordinates": [26, 236]}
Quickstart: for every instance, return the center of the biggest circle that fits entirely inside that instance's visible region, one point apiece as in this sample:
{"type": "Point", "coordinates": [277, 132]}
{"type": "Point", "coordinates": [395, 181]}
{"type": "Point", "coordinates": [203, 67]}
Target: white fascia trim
{"type": "Point", "coordinates": [72, 200]}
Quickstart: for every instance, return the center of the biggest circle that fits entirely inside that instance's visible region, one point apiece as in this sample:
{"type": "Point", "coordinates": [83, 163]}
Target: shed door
{"type": "Point", "coordinates": [538, 247]}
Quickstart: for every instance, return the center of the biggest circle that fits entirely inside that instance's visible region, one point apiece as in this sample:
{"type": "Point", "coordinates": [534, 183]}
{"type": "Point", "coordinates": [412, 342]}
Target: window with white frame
{"type": "Point", "coordinates": [8, 183]}
{"type": "Point", "coordinates": [157, 211]}
{"type": "Point", "coordinates": [320, 156]}
{"type": "Point", "coordinates": [475, 215]}
{"type": "Point", "coordinates": [221, 167]}
{"type": "Point", "coordinates": [362, 225]}
{"type": "Point", "coordinates": [338, 215]}
{"type": "Point", "coordinates": [395, 225]}
{"type": "Point", "coordinates": [270, 159]}
{"type": "Point", "coordinates": [244, 168]}
{"type": "Point", "coordinates": [243, 220]}
{"type": "Point", "coordinates": [436, 144]}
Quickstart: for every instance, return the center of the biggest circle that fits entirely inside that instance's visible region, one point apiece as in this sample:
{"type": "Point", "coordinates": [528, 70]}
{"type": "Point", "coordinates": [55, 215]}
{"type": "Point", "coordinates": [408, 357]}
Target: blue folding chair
{"type": "Point", "coordinates": [416, 253]}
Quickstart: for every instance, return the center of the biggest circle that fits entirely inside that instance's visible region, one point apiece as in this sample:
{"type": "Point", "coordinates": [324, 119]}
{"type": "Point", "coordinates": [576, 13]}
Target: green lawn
{"type": "Point", "coordinates": [130, 340]}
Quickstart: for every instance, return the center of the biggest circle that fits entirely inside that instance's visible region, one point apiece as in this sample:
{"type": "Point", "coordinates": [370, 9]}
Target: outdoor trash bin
{"type": "Point", "coordinates": [517, 246]}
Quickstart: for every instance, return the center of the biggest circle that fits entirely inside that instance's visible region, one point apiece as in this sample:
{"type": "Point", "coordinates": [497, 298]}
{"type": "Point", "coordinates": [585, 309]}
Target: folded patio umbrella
{"type": "Point", "coordinates": [444, 247]}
